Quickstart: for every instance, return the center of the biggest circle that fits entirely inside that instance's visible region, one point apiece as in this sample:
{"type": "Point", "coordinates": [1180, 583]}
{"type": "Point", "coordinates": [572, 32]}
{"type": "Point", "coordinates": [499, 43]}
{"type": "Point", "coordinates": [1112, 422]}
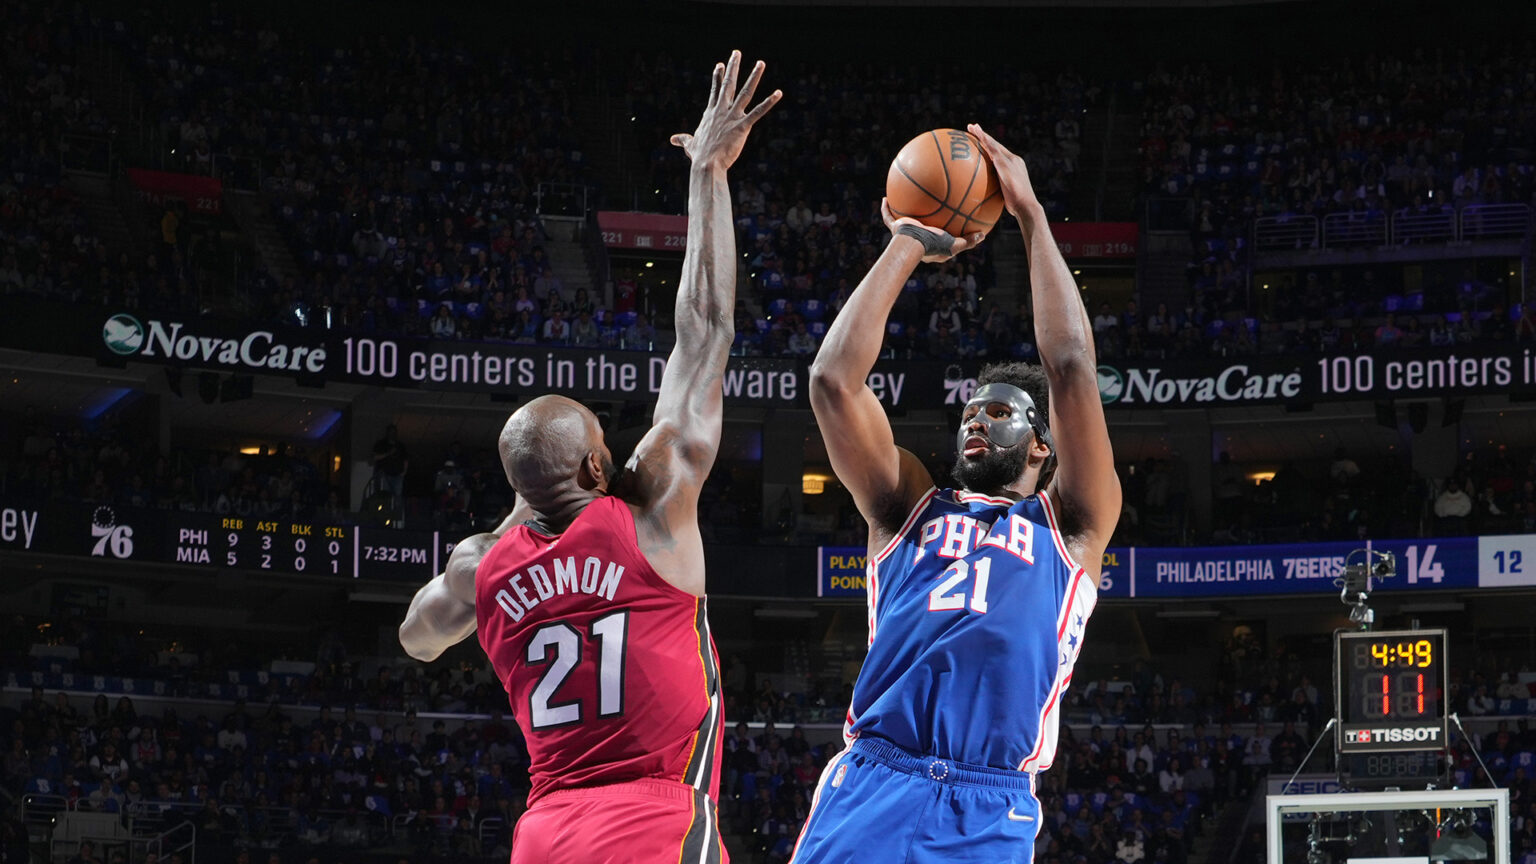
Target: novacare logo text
{"type": "Point", "coordinates": [259, 349]}
{"type": "Point", "coordinates": [1234, 384]}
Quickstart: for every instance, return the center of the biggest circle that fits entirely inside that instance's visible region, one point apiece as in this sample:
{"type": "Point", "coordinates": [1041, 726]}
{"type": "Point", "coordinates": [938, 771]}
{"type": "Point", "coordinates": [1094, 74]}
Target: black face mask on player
{"type": "Point", "coordinates": [1004, 431]}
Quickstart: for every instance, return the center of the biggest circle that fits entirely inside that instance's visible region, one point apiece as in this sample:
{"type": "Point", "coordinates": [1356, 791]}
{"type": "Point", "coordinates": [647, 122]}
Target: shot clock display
{"type": "Point", "coordinates": [1389, 687]}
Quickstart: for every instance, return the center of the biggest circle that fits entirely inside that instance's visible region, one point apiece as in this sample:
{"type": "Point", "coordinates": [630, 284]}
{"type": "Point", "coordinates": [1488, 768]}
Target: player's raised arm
{"type": "Point", "coordinates": [1085, 482]}
{"type": "Point", "coordinates": [884, 479]}
{"type": "Point", "coordinates": [673, 459]}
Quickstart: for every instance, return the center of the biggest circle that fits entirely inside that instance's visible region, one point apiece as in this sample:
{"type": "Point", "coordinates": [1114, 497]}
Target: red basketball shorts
{"type": "Point", "coordinates": [640, 822]}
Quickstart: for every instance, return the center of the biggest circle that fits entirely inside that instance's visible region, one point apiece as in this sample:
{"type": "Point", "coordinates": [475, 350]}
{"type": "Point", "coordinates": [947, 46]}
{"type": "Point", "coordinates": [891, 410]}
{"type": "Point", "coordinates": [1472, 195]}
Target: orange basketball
{"type": "Point", "coordinates": [944, 180]}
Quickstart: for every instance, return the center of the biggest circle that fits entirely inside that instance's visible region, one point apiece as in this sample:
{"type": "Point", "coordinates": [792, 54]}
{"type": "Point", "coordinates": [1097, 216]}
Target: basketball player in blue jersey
{"type": "Point", "coordinates": [978, 594]}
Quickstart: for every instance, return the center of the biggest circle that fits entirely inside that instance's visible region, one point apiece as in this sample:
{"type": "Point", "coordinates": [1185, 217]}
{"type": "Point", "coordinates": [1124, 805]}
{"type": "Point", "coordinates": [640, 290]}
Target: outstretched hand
{"type": "Point", "coordinates": [1012, 175]}
{"type": "Point", "coordinates": [723, 129]}
{"type": "Point", "coordinates": [943, 245]}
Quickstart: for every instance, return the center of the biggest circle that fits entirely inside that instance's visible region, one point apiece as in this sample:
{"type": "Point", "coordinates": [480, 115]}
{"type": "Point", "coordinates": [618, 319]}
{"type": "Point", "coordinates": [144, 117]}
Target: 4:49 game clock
{"type": "Point", "coordinates": [1389, 687]}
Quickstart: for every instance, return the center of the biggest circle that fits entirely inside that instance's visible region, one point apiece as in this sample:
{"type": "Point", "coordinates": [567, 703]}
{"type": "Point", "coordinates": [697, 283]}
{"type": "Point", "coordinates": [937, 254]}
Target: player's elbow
{"type": "Point", "coordinates": [416, 643]}
{"type": "Point", "coordinates": [705, 322]}
{"type": "Point", "coordinates": [1071, 369]}
{"type": "Point", "coordinates": [829, 386]}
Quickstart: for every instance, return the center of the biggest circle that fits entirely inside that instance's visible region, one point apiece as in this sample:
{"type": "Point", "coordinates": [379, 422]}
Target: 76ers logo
{"type": "Point", "coordinates": [111, 538]}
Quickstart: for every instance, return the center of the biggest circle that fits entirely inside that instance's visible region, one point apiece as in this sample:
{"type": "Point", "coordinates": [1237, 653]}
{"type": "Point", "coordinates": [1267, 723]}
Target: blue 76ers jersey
{"type": "Point", "coordinates": [976, 617]}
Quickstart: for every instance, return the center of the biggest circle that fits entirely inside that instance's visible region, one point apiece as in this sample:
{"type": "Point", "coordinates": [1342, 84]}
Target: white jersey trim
{"type": "Point", "coordinates": [964, 497]}
{"type": "Point", "coordinates": [1061, 542]}
{"type": "Point", "coordinates": [1044, 752]}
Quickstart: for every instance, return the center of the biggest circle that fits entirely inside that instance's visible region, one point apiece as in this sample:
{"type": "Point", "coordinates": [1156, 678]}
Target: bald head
{"type": "Point", "coordinates": [545, 443]}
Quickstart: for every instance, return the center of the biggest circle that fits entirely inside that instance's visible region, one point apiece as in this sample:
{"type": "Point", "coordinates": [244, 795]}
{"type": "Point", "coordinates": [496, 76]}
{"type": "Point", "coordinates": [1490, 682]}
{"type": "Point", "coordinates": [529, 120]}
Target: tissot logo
{"type": "Point", "coordinates": [1392, 735]}
{"type": "Point", "coordinates": [174, 340]}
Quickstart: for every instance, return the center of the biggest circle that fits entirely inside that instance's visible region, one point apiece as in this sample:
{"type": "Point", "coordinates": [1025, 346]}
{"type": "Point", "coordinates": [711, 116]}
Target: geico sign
{"type": "Point", "coordinates": [1232, 384]}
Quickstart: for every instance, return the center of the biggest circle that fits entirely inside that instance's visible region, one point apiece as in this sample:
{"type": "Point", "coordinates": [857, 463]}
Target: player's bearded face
{"type": "Point", "coordinates": [994, 470]}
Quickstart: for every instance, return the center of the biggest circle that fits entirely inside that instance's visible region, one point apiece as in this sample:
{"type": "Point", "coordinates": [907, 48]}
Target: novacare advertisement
{"type": "Point", "coordinates": [1267, 379]}
{"type": "Point", "coordinates": [515, 369]}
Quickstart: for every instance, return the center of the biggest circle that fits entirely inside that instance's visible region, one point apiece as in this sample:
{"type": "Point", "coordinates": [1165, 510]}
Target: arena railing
{"type": "Point", "coordinates": [1493, 221]}
{"type": "Point", "coordinates": [490, 831]}
{"type": "Point", "coordinates": [38, 810]}
{"type": "Point", "coordinates": [1354, 229]}
{"type": "Point", "coordinates": [1284, 233]}
{"type": "Point", "coordinates": [1410, 227]}
{"type": "Point", "coordinates": [177, 839]}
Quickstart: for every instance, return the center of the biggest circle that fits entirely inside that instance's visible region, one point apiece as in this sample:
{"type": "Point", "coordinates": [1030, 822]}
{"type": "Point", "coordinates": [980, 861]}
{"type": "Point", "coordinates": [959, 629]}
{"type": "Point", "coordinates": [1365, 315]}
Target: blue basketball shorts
{"type": "Point", "coordinates": [879, 803]}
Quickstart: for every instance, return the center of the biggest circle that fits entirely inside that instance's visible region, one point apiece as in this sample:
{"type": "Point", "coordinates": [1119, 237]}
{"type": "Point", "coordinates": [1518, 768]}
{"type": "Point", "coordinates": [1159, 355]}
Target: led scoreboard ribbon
{"type": "Point", "coordinates": [1390, 687]}
{"type": "Point", "coordinates": [247, 543]}
{"type": "Point", "coordinates": [270, 544]}
{"type": "Point", "coordinates": [285, 546]}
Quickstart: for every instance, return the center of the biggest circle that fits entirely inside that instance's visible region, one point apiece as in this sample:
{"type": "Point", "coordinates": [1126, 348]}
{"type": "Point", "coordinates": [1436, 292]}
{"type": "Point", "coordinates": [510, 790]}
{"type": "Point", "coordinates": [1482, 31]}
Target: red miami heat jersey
{"type": "Point", "coordinates": [611, 670]}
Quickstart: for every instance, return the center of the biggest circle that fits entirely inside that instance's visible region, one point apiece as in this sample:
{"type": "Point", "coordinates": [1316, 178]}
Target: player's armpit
{"type": "Point", "coordinates": [442, 613]}
{"type": "Point", "coordinates": [661, 482]}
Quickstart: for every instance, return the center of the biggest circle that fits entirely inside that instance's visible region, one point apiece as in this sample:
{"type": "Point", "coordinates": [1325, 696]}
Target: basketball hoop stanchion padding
{"type": "Point", "coordinates": [1497, 800]}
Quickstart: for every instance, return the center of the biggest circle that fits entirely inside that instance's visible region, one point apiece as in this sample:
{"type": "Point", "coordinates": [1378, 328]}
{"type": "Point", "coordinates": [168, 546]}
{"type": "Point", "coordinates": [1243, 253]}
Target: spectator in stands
{"type": "Point", "coordinates": [1388, 334]}
{"type": "Point", "coordinates": [443, 325]}
{"type": "Point", "coordinates": [639, 335]}
{"type": "Point", "coordinates": [109, 764]}
{"type": "Point", "coordinates": [85, 855]}
{"type": "Point", "coordinates": [1104, 326]}
{"type": "Point", "coordinates": [1256, 757]}
{"type": "Point", "coordinates": [1287, 747]}
{"type": "Point", "coordinates": [801, 342]}
{"type": "Point", "coordinates": [390, 462]}
{"type": "Point", "coordinates": [946, 316]}
{"type": "Point", "coordinates": [1480, 703]}
{"type": "Point", "coordinates": [584, 331]}
{"type": "Point", "coordinates": [556, 329]}
{"type": "Point", "coordinates": [1453, 506]}
{"type": "Point", "coordinates": [1344, 469]}
{"type": "Point", "coordinates": [972, 344]}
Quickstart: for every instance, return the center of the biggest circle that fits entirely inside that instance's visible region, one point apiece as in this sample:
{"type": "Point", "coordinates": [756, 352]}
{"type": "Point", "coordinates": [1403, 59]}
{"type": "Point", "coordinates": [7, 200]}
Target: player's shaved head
{"type": "Point", "coordinates": [545, 443]}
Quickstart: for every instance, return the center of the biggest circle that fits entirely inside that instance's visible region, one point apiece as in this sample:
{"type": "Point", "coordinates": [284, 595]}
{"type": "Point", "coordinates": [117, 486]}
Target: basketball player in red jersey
{"type": "Point", "coordinates": [589, 600]}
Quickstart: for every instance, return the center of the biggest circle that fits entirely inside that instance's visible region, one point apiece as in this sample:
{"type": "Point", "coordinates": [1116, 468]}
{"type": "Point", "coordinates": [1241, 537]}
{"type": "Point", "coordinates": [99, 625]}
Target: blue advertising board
{"type": "Point", "coordinates": [840, 571]}
{"type": "Point", "coordinates": [1291, 568]}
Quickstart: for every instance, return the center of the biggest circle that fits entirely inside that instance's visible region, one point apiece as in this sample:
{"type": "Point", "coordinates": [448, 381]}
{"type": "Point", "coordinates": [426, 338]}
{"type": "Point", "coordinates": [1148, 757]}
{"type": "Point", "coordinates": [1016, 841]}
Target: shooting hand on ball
{"type": "Point", "coordinates": [1012, 174]}
{"type": "Point", "coordinates": [723, 128]}
{"type": "Point", "coordinates": [938, 244]}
